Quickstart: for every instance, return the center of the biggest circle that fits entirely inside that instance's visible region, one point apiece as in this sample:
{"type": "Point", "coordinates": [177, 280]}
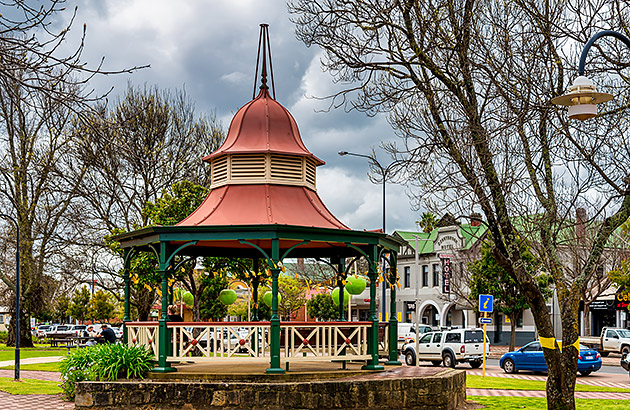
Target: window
{"type": "Point", "coordinates": [426, 338]}
{"type": "Point", "coordinates": [407, 276]}
{"type": "Point", "coordinates": [612, 334]}
{"type": "Point", "coordinates": [453, 338]}
{"type": "Point", "coordinates": [473, 336]}
{"type": "Point", "coordinates": [533, 347]}
{"type": "Point", "coordinates": [436, 275]}
{"type": "Point", "coordinates": [425, 276]}
{"type": "Point", "coordinates": [437, 337]}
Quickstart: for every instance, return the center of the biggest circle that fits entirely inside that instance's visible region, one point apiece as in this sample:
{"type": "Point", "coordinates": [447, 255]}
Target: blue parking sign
{"type": "Point", "coordinates": [485, 303]}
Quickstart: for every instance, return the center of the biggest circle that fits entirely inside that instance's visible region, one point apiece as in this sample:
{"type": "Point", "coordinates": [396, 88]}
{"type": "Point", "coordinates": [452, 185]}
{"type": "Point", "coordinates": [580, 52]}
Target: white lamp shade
{"type": "Point", "coordinates": [582, 111]}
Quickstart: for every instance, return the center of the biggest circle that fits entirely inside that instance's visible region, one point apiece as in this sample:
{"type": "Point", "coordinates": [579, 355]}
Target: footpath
{"type": "Point", "coordinates": [54, 402]}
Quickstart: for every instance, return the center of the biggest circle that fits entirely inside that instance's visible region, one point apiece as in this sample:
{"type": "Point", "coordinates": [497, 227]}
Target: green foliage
{"type": "Point", "coordinates": [210, 308]}
{"type": "Point", "coordinates": [293, 293]}
{"type": "Point", "coordinates": [322, 307]}
{"type": "Point", "coordinates": [101, 308]}
{"type": "Point", "coordinates": [60, 308]}
{"type": "Point", "coordinates": [104, 362]}
{"type": "Point", "coordinates": [184, 197]}
{"type": "Point", "coordinates": [264, 311]}
{"type": "Point", "coordinates": [78, 308]}
{"type": "Point", "coordinates": [238, 308]}
{"type": "Point", "coordinates": [621, 276]}
{"type": "Point", "coordinates": [427, 222]}
{"type": "Point", "coordinates": [4, 336]}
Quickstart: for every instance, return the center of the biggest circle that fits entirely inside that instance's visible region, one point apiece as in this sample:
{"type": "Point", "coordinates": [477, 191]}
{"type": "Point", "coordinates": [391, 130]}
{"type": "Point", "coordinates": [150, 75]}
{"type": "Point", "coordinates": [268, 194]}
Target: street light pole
{"type": "Point", "coordinates": [17, 295]}
{"type": "Point", "coordinates": [384, 171]}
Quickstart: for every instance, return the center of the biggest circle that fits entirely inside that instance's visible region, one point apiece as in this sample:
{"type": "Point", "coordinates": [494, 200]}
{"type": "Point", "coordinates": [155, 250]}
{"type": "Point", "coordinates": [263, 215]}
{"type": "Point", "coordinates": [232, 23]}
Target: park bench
{"type": "Point", "coordinates": [66, 342]}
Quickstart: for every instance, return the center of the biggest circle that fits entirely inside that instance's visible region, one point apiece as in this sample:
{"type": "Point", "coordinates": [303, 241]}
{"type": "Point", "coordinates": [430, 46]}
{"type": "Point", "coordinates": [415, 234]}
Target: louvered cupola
{"type": "Point", "coordinates": [263, 173]}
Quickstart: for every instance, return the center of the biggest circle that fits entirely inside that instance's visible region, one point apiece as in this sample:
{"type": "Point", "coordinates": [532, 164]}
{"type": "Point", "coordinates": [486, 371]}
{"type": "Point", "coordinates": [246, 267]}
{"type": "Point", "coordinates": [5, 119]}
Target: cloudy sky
{"type": "Point", "coordinates": [209, 48]}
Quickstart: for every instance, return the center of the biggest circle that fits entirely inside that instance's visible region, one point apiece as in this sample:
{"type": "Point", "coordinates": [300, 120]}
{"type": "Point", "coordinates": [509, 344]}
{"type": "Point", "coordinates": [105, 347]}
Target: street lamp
{"type": "Point", "coordinates": [384, 171]}
{"type": "Point", "coordinates": [582, 97]}
{"type": "Point", "coordinates": [17, 295]}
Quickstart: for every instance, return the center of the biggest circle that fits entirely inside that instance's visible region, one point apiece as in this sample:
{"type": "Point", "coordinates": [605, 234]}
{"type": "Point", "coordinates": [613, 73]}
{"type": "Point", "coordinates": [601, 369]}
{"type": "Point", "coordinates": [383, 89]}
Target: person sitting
{"type": "Point", "coordinates": [89, 332]}
{"type": "Point", "coordinates": [173, 316]}
{"type": "Point", "coordinates": [107, 335]}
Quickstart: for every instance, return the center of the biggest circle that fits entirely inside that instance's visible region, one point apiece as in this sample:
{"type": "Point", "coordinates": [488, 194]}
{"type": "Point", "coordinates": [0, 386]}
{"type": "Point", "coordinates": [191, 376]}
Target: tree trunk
{"type": "Point", "coordinates": [587, 319]}
{"type": "Point", "coordinates": [513, 318]}
{"type": "Point", "coordinates": [25, 329]}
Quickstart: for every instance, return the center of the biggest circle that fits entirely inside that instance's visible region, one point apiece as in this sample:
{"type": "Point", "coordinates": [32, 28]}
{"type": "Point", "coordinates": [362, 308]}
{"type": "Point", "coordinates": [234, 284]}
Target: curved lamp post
{"type": "Point", "coordinates": [384, 171]}
{"type": "Point", "coordinates": [582, 97]}
{"type": "Point", "coordinates": [17, 295]}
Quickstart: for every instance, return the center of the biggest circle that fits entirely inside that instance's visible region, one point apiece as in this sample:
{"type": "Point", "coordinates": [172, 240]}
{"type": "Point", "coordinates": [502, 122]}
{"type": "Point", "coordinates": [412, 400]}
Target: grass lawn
{"type": "Point", "coordinates": [478, 382]}
{"type": "Point", "coordinates": [8, 353]}
{"type": "Point", "coordinates": [42, 367]}
{"type": "Point", "coordinates": [535, 403]}
{"type": "Point", "coordinates": [29, 386]}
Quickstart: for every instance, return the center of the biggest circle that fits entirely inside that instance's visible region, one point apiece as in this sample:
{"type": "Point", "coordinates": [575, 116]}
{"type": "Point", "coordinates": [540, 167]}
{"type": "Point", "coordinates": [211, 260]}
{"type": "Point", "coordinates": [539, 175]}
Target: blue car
{"type": "Point", "coordinates": [530, 357]}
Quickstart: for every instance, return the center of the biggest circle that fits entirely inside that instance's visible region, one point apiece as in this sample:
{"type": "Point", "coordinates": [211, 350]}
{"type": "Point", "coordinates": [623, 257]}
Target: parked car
{"type": "Point", "coordinates": [625, 362]}
{"type": "Point", "coordinates": [77, 330]}
{"type": "Point", "coordinates": [449, 347]}
{"type": "Point", "coordinates": [61, 332]}
{"type": "Point", "coordinates": [118, 331]}
{"type": "Point", "coordinates": [40, 332]}
{"type": "Point", "coordinates": [531, 357]}
{"type": "Point", "coordinates": [616, 340]}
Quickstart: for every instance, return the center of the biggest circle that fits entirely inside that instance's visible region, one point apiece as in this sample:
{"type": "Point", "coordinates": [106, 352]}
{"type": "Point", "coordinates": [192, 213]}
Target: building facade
{"type": "Point", "coordinates": [434, 276]}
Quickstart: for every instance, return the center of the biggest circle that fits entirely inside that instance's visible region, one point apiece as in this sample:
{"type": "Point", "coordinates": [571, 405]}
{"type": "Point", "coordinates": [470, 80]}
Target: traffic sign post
{"type": "Point", "coordinates": [486, 305]}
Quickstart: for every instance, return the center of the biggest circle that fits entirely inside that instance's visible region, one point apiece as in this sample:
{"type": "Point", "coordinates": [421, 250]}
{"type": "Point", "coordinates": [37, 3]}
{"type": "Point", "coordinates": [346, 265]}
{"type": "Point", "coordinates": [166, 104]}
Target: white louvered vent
{"type": "Point", "coordinates": [219, 170]}
{"type": "Point", "coordinates": [310, 171]}
{"type": "Point", "coordinates": [248, 166]}
{"type": "Point", "coordinates": [286, 168]}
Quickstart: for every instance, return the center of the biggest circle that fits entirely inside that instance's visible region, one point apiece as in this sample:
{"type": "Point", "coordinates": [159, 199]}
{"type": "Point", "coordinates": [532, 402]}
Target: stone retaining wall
{"type": "Point", "coordinates": [445, 390]}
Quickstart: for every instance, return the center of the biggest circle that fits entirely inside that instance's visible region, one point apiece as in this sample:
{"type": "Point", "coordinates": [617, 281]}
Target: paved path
{"type": "Point", "coordinates": [541, 393]}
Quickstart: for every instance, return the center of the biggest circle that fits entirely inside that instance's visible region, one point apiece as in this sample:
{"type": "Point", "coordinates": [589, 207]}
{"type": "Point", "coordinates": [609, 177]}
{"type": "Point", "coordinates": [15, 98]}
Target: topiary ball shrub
{"type": "Point", "coordinates": [104, 362]}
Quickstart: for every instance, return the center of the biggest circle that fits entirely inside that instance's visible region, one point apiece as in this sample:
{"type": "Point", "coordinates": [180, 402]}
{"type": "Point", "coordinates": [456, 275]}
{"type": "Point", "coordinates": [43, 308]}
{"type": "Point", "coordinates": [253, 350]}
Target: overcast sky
{"type": "Point", "coordinates": [209, 48]}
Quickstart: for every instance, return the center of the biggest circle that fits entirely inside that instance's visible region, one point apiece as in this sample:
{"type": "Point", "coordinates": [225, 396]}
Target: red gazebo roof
{"type": "Point", "coordinates": [263, 125]}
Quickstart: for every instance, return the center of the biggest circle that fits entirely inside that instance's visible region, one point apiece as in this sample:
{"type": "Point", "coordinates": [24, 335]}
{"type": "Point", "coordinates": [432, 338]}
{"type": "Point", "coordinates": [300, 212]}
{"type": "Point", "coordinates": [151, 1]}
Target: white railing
{"type": "Point", "coordinates": [222, 341]}
{"type": "Point", "coordinates": [325, 341]}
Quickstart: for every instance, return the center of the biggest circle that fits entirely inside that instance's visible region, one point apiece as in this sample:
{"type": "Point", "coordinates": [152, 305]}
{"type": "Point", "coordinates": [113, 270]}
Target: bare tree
{"type": "Point", "coordinates": [468, 84]}
{"type": "Point", "coordinates": [133, 151]}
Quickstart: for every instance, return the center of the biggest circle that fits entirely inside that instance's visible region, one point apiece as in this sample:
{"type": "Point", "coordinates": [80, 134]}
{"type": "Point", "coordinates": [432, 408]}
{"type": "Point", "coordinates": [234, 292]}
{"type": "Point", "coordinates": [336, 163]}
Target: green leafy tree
{"type": "Point", "coordinates": [621, 275]}
{"type": "Point", "coordinates": [322, 307]}
{"type": "Point", "coordinates": [210, 308]}
{"type": "Point", "coordinates": [60, 308]}
{"type": "Point", "coordinates": [239, 308]}
{"type": "Point", "coordinates": [80, 304]}
{"type": "Point", "coordinates": [101, 308]}
{"type": "Point", "coordinates": [489, 278]}
{"type": "Point", "coordinates": [427, 222]}
{"type": "Point", "coordinates": [293, 293]}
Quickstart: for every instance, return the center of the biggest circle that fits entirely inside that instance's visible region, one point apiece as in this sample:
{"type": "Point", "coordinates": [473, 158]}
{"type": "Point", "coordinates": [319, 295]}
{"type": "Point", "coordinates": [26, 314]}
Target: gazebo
{"type": "Point", "coordinates": [263, 204]}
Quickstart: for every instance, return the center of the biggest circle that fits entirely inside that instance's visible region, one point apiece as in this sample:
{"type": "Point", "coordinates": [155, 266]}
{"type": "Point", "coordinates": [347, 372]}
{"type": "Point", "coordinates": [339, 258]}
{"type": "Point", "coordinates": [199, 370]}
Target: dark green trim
{"type": "Point", "coordinates": [393, 317]}
{"type": "Point", "coordinates": [186, 245]}
{"type": "Point", "coordinates": [274, 327]}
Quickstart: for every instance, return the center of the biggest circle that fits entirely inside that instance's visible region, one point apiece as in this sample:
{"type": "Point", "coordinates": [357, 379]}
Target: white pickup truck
{"type": "Point", "coordinates": [616, 340]}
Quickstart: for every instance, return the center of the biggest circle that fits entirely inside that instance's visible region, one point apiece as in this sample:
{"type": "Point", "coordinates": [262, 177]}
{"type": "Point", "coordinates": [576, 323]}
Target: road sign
{"type": "Point", "coordinates": [485, 320]}
{"type": "Point", "coordinates": [485, 303]}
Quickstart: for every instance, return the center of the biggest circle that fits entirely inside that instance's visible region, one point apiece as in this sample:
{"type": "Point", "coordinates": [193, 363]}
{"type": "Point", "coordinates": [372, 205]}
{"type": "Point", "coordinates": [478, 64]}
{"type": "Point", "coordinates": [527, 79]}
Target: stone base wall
{"type": "Point", "coordinates": [445, 390]}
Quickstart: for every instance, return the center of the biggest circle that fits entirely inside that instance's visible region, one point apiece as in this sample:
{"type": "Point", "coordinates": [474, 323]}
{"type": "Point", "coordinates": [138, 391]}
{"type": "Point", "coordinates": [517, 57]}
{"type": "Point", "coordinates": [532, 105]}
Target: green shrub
{"type": "Point", "coordinates": [4, 336]}
{"type": "Point", "coordinates": [104, 362]}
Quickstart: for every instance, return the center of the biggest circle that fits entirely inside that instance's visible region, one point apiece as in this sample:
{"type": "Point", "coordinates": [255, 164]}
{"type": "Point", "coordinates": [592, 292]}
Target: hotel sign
{"type": "Point", "coordinates": [446, 273]}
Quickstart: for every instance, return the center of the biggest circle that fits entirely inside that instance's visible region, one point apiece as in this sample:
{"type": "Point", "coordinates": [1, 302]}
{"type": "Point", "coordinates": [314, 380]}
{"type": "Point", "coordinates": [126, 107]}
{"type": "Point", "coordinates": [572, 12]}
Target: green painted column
{"type": "Point", "coordinates": [163, 332]}
{"type": "Point", "coordinates": [255, 290]}
{"type": "Point", "coordinates": [126, 318]}
{"type": "Point", "coordinates": [340, 277]}
{"type": "Point", "coordinates": [373, 333]}
{"type": "Point", "coordinates": [393, 317]}
{"type": "Point", "coordinates": [275, 319]}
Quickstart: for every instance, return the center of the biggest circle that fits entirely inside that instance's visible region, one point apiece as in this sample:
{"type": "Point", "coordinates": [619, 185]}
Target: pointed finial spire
{"type": "Point", "coordinates": [265, 48]}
